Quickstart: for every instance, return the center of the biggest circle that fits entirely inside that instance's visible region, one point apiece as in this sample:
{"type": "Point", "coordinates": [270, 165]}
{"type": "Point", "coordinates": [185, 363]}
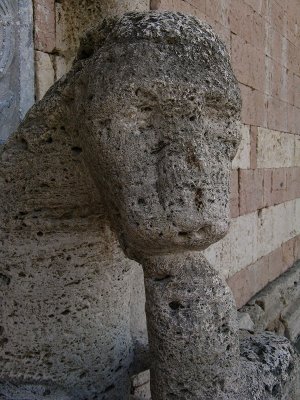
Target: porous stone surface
{"type": "Point", "coordinates": [128, 155]}
{"type": "Point", "coordinates": [32, 392]}
{"type": "Point", "coordinates": [65, 283]}
{"type": "Point", "coordinates": [171, 195]}
{"type": "Point", "coordinates": [86, 156]}
{"type": "Point", "coordinates": [192, 327]}
{"type": "Point", "coordinates": [180, 110]}
{"type": "Point", "coordinates": [269, 368]}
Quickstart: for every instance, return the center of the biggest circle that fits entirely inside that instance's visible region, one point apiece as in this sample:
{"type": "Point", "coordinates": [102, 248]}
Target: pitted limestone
{"type": "Point", "coordinates": [130, 153]}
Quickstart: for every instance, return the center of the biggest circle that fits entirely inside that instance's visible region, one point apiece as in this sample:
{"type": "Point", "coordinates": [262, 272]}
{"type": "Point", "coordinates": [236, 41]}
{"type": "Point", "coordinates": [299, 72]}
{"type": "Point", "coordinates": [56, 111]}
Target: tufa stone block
{"type": "Point", "coordinates": [44, 73]}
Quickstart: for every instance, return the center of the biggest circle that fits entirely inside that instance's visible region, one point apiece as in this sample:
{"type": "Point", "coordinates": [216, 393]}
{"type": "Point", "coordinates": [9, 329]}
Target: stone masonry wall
{"type": "Point", "coordinates": [263, 37]}
{"type": "Point", "coordinates": [58, 27]}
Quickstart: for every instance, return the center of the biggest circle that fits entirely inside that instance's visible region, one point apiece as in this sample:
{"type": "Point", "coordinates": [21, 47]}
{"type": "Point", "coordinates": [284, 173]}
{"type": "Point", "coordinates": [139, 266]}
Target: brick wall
{"type": "Point", "coordinates": [263, 38]}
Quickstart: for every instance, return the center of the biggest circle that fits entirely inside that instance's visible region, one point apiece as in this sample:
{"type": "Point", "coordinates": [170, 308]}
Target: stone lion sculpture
{"type": "Point", "coordinates": [126, 162]}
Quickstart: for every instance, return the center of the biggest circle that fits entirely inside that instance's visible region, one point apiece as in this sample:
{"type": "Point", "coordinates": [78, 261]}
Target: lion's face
{"type": "Point", "coordinates": [163, 164]}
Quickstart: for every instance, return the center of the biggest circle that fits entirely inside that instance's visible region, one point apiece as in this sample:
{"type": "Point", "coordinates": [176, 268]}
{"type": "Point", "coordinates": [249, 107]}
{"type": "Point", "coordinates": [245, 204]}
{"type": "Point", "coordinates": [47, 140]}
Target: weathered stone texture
{"type": "Point", "coordinates": [126, 157]}
{"type": "Point", "coordinates": [187, 148]}
{"type": "Point", "coordinates": [269, 368]}
{"type": "Point", "coordinates": [54, 304]}
{"type": "Point", "coordinates": [59, 193]}
{"type": "Point", "coordinates": [161, 105]}
{"type": "Point", "coordinates": [192, 329]}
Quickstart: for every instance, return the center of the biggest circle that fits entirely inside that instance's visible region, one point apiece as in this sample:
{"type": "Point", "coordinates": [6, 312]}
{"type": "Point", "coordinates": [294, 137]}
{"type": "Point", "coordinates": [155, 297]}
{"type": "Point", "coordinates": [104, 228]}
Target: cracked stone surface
{"type": "Point", "coordinates": [125, 162]}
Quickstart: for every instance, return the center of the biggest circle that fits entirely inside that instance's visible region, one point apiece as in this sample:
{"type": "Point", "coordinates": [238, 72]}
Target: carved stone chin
{"type": "Point", "coordinates": [129, 154]}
